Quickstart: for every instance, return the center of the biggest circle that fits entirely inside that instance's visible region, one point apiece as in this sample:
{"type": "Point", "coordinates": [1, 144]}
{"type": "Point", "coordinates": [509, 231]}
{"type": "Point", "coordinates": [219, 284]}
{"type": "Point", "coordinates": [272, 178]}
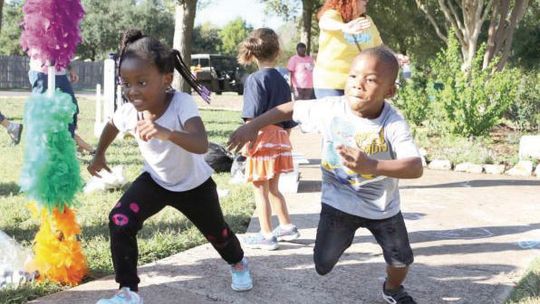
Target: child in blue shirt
{"type": "Point", "coordinates": [271, 154]}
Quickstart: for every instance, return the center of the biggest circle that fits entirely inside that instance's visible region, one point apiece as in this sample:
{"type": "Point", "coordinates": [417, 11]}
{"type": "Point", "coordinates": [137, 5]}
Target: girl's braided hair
{"type": "Point", "coordinates": [136, 45]}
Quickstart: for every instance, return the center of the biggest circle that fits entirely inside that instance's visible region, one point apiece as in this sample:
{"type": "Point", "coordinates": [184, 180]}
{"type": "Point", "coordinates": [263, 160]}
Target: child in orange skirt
{"type": "Point", "coordinates": [270, 155]}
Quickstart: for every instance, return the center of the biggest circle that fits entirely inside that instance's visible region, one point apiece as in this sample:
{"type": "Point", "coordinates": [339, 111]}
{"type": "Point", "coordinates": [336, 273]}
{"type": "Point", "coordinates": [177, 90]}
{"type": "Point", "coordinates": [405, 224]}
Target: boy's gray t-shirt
{"type": "Point", "coordinates": [386, 137]}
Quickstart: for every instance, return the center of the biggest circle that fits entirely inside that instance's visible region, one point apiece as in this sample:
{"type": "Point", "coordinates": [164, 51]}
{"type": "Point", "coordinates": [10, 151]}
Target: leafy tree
{"type": "Point", "coordinates": [232, 34]}
{"type": "Point", "coordinates": [206, 39]}
{"type": "Point", "coordinates": [526, 43]}
{"type": "Point", "coordinates": [106, 20]}
{"type": "Point", "coordinates": [1, 8]}
{"type": "Point", "coordinates": [468, 18]}
{"type": "Point", "coordinates": [404, 29]}
{"type": "Point", "coordinates": [11, 31]}
{"type": "Point", "coordinates": [151, 17]}
{"type": "Point", "coordinates": [290, 9]}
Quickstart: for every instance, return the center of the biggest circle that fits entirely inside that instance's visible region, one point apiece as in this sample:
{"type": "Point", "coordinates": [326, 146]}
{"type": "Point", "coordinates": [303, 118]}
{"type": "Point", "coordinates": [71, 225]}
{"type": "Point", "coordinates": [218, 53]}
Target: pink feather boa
{"type": "Point", "coordinates": [51, 30]}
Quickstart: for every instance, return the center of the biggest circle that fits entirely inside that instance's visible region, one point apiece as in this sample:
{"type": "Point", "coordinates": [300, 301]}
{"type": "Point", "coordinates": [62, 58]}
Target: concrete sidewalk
{"type": "Point", "coordinates": [465, 230]}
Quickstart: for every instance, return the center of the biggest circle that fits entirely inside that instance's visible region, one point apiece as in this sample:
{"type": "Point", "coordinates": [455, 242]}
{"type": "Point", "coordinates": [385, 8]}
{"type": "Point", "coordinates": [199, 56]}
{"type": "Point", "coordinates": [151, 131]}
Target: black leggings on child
{"type": "Point", "coordinates": [145, 198]}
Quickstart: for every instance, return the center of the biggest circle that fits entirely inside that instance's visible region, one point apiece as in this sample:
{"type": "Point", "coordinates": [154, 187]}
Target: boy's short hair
{"type": "Point", "coordinates": [301, 44]}
{"type": "Point", "coordinates": [386, 56]}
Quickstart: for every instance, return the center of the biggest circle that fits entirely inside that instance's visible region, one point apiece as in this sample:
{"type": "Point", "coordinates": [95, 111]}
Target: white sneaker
{"type": "Point", "coordinates": [15, 130]}
{"type": "Point", "coordinates": [124, 296]}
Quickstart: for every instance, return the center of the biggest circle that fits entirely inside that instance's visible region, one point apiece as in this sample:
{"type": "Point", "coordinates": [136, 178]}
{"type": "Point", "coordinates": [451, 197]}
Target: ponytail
{"type": "Point", "coordinates": [185, 72]}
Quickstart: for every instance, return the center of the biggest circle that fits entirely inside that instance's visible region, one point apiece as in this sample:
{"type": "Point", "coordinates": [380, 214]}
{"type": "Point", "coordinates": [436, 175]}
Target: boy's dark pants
{"type": "Point", "coordinates": [336, 233]}
{"type": "Point", "coordinates": [145, 198]}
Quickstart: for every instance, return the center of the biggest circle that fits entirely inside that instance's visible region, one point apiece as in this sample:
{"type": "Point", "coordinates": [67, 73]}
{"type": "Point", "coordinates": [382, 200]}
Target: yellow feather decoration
{"type": "Point", "coordinates": [58, 253]}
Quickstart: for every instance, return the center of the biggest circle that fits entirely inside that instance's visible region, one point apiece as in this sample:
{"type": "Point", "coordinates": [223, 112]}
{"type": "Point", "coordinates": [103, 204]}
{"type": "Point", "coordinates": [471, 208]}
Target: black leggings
{"type": "Point", "coordinates": [145, 198]}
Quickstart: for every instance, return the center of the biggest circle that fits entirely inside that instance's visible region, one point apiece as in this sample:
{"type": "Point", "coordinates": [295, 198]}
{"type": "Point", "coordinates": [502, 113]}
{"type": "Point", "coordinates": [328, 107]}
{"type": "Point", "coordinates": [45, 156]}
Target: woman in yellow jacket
{"type": "Point", "coordinates": [345, 30]}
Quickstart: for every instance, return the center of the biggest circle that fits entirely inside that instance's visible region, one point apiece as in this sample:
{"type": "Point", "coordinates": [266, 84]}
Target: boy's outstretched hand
{"type": "Point", "coordinates": [357, 160]}
{"type": "Point", "coordinates": [244, 134]}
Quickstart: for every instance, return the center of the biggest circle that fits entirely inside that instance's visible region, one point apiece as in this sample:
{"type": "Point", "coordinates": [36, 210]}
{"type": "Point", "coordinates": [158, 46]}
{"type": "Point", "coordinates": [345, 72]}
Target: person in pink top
{"type": "Point", "coordinates": [301, 68]}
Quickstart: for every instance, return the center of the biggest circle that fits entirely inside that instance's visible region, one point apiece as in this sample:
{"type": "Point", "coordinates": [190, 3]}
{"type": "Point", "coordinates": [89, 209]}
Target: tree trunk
{"type": "Point", "coordinates": [503, 23]}
{"type": "Point", "coordinates": [183, 29]}
{"type": "Point", "coordinates": [307, 16]}
{"type": "Point", "coordinates": [1, 9]}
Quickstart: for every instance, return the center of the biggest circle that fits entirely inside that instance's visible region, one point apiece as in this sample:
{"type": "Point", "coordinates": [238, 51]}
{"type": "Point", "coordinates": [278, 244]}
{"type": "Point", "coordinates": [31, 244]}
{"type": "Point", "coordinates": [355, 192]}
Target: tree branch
{"type": "Point", "coordinates": [431, 20]}
{"type": "Point", "coordinates": [453, 22]}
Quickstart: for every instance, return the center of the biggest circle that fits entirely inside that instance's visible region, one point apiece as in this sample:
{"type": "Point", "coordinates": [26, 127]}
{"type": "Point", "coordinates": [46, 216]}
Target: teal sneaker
{"type": "Point", "coordinates": [241, 278]}
{"type": "Point", "coordinates": [124, 296]}
{"type": "Point", "coordinates": [286, 235]}
{"type": "Point", "coordinates": [258, 241]}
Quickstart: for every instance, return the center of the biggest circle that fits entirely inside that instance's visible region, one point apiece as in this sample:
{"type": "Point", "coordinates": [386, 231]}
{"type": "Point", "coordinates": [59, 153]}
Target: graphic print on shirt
{"type": "Point", "coordinates": [343, 132]}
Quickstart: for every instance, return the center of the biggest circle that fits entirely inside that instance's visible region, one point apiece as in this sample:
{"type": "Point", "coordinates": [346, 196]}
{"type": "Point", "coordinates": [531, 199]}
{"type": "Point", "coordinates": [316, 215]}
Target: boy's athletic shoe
{"type": "Point", "coordinates": [241, 278]}
{"type": "Point", "coordinates": [124, 296]}
{"type": "Point", "coordinates": [258, 241]}
{"type": "Point", "coordinates": [282, 234]}
{"type": "Point", "coordinates": [398, 297]}
{"type": "Point", "coordinates": [15, 130]}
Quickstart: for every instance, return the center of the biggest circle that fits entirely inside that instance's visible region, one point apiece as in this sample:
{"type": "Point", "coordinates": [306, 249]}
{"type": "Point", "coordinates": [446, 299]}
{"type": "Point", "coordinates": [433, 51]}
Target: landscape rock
{"type": "Point", "coordinates": [469, 168]}
{"type": "Point", "coordinates": [529, 147]}
{"type": "Point", "coordinates": [440, 164]}
{"type": "Point", "coordinates": [522, 168]}
{"type": "Point", "coordinates": [494, 169]}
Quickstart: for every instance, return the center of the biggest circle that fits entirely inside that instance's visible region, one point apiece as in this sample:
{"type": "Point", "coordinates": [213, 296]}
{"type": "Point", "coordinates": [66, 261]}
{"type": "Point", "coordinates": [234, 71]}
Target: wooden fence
{"type": "Point", "coordinates": [14, 73]}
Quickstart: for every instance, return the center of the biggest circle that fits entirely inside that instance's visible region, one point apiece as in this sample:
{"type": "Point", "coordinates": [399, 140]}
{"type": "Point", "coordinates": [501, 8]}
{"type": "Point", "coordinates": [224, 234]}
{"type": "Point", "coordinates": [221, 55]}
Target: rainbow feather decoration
{"type": "Point", "coordinates": [51, 173]}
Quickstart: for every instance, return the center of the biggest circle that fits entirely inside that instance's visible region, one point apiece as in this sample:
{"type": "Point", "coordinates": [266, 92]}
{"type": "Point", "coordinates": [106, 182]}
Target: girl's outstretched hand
{"type": "Point", "coordinates": [97, 164]}
{"type": "Point", "coordinates": [244, 134]}
{"type": "Point", "coordinates": [148, 129]}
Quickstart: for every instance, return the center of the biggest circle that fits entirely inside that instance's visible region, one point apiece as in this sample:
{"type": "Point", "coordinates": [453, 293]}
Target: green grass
{"type": "Point", "coordinates": [165, 234]}
{"type": "Point", "coordinates": [527, 291]}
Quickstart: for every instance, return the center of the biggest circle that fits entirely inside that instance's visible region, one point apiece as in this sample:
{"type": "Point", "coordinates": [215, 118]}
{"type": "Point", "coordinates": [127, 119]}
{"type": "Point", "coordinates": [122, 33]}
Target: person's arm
{"type": "Point", "coordinates": [360, 162]}
{"type": "Point", "coordinates": [72, 74]}
{"type": "Point", "coordinates": [192, 139]}
{"type": "Point", "coordinates": [329, 22]}
{"type": "Point", "coordinates": [248, 132]}
{"type": "Point", "coordinates": [99, 161]}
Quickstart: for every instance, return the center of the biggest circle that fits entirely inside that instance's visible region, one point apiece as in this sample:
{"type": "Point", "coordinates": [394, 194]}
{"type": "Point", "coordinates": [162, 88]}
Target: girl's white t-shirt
{"type": "Point", "coordinates": [169, 165]}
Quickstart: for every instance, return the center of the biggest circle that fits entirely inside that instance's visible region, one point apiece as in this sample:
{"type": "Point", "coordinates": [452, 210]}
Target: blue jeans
{"type": "Point", "coordinates": [2, 117]}
{"type": "Point", "coordinates": [38, 81]}
{"type": "Point", "coordinates": [336, 233]}
{"type": "Point", "coordinates": [320, 93]}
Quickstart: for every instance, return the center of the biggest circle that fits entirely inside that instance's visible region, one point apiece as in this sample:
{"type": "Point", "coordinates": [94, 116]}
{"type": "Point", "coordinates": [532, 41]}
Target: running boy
{"type": "Point", "coordinates": [367, 148]}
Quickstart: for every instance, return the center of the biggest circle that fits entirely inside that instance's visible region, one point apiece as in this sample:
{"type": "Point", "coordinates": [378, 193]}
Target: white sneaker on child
{"type": "Point", "coordinates": [286, 233]}
{"type": "Point", "coordinates": [15, 130]}
{"type": "Point", "coordinates": [124, 296]}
